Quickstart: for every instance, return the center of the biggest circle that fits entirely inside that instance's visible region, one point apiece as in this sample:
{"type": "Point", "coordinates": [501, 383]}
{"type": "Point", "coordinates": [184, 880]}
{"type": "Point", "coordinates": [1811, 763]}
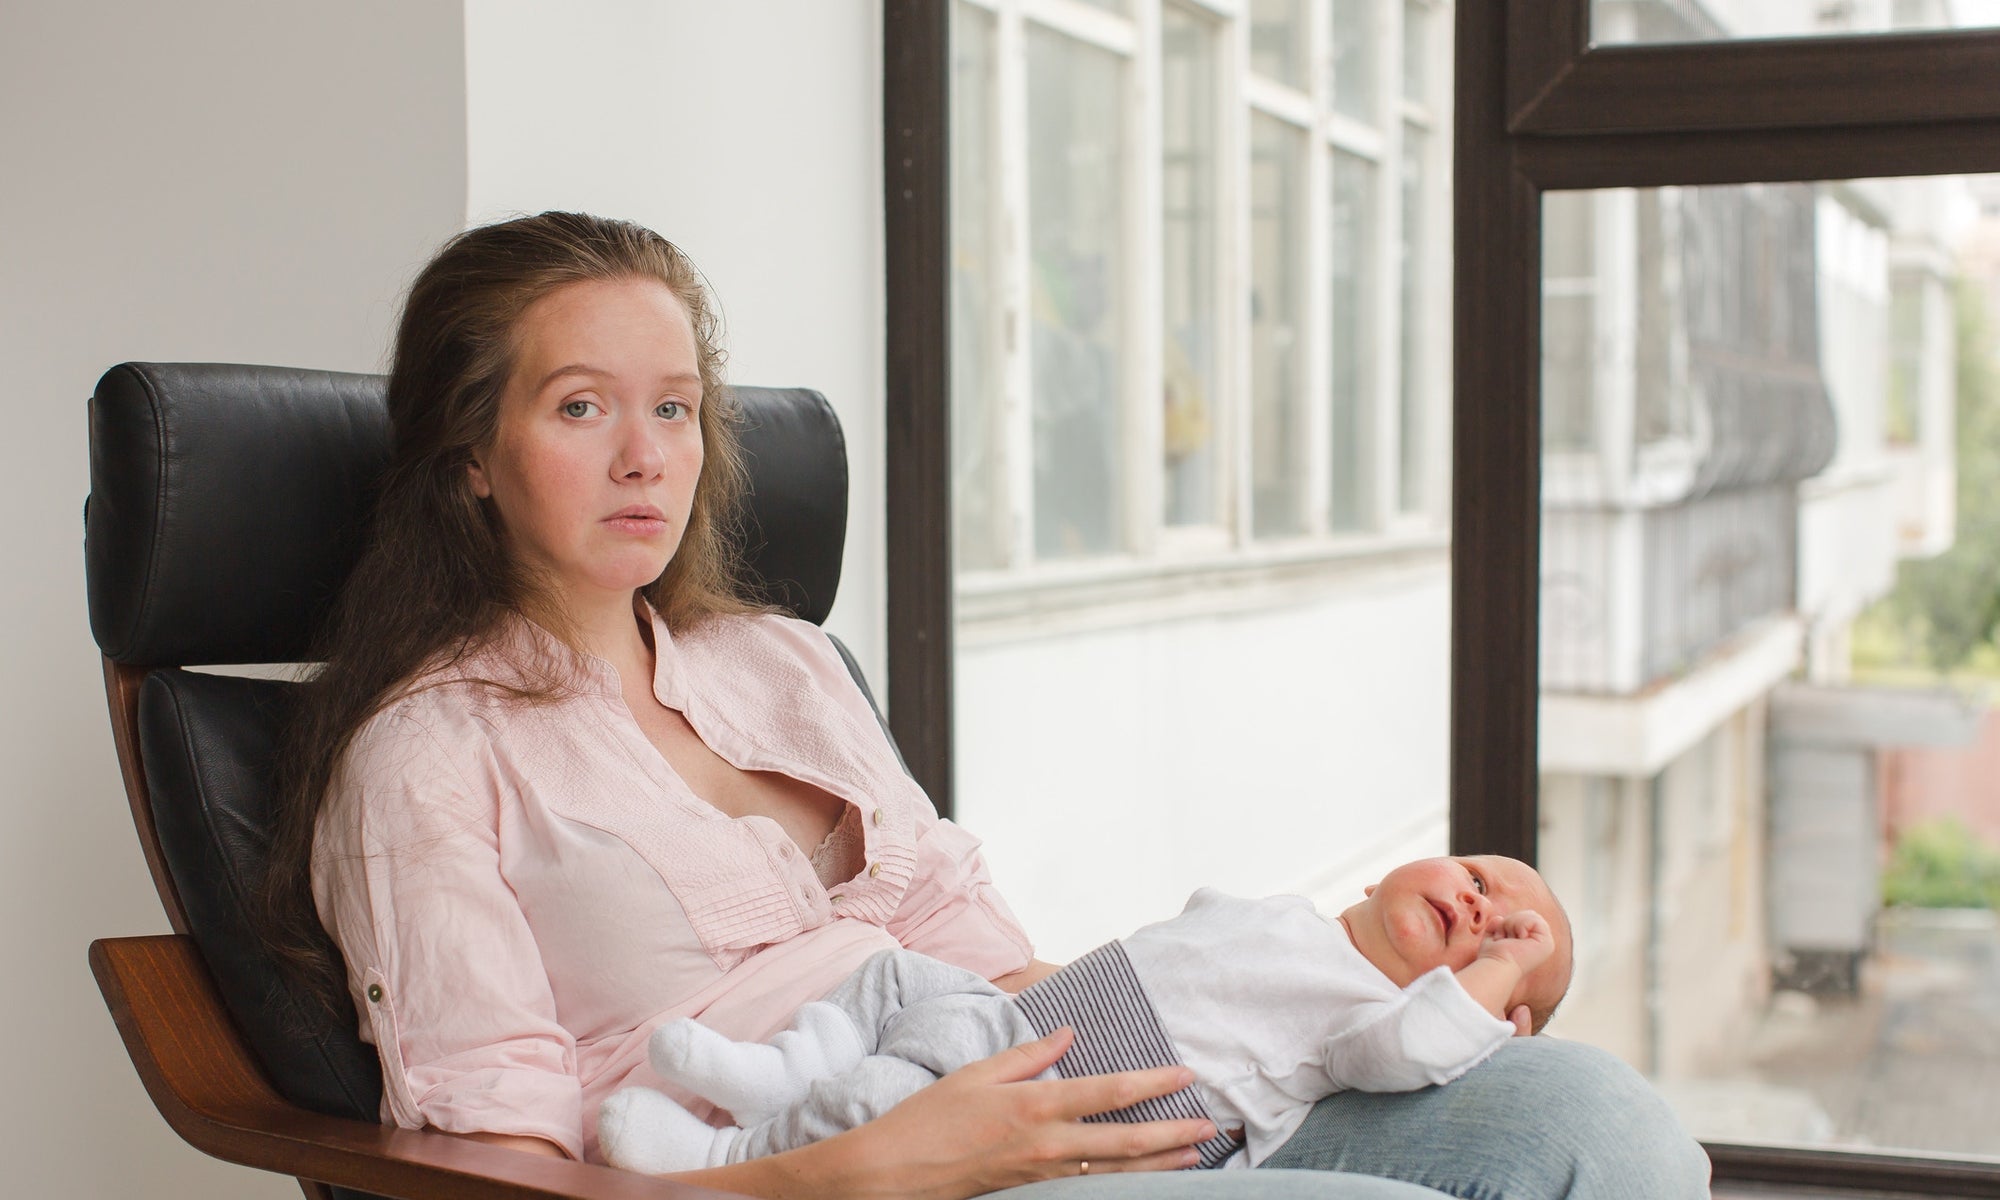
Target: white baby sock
{"type": "Point", "coordinates": [642, 1130]}
{"type": "Point", "coordinates": [755, 1080]}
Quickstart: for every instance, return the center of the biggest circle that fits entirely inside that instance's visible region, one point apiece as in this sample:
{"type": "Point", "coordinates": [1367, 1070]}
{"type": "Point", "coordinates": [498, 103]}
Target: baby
{"type": "Point", "coordinates": [1271, 1005]}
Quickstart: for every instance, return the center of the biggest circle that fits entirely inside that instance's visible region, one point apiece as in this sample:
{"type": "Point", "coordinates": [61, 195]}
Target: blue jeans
{"type": "Point", "coordinates": [1540, 1120]}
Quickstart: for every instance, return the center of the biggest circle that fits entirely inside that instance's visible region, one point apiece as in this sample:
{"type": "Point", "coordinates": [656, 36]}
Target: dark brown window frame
{"type": "Point", "coordinates": [1537, 109]}
{"type": "Point", "coordinates": [916, 202]}
{"type": "Point", "coordinates": [1540, 109]}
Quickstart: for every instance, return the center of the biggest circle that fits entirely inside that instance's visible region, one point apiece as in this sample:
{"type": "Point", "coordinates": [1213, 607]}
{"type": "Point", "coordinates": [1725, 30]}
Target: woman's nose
{"type": "Point", "coordinates": [639, 453]}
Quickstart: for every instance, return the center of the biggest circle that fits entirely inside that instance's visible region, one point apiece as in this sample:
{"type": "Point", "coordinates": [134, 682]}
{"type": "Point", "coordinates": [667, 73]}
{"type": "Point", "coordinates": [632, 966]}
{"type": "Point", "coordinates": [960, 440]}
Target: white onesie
{"type": "Point", "coordinates": [1268, 1002]}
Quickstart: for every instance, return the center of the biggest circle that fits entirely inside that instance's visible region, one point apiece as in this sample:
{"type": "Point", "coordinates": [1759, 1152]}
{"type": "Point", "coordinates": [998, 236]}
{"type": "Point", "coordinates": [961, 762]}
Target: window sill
{"type": "Point", "coordinates": [1056, 600]}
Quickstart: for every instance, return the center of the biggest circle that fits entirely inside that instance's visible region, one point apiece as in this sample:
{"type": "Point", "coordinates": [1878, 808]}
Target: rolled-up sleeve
{"type": "Point", "coordinates": [1430, 1033]}
{"type": "Point", "coordinates": [953, 912]}
{"type": "Point", "coordinates": [443, 968]}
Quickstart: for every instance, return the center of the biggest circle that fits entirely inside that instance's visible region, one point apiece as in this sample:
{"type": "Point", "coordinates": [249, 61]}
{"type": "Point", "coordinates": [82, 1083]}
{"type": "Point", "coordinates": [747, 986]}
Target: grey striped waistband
{"type": "Point", "coordinates": [1100, 996]}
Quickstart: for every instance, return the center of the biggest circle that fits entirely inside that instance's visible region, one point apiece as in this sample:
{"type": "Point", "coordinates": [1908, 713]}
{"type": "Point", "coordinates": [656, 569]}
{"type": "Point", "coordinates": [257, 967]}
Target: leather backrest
{"type": "Point", "coordinates": [207, 742]}
{"type": "Point", "coordinates": [228, 502]}
{"type": "Point", "coordinates": [226, 508]}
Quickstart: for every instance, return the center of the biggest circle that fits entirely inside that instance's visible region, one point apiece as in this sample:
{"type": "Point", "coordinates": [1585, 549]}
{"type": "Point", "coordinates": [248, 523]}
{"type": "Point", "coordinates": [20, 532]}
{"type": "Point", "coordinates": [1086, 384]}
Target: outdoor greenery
{"type": "Point", "coordinates": [1942, 864]}
{"type": "Point", "coordinates": [1944, 612]}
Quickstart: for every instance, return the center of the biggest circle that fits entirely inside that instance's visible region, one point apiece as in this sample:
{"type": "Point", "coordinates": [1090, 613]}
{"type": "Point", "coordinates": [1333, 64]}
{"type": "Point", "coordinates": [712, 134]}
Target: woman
{"type": "Point", "coordinates": [559, 783]}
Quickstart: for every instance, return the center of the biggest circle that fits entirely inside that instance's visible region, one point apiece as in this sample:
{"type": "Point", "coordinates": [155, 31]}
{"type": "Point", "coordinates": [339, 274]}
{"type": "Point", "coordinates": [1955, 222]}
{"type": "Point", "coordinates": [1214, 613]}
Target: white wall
{"type": "Point", "coordinates": [1302, 749]}
{"type": "Point", "coordinates": [748, 134]}
{"type": "Point", "coordinates": [211, 179]}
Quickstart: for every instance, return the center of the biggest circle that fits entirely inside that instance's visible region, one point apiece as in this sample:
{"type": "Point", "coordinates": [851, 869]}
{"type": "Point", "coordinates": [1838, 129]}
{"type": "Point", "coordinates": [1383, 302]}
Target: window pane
{"type": "Point", "coordinates": [1277, 352]}
{"type": "Point", "coordinates": [979, 509]}
{"type": "Point", "coordinates": [1356, 233]}
{"type": "Point", "coordinates": [1569, 312]}
{"type": "Point", "coordinates": [1613, 21]}
{"type": "Point", "coordinates": [1076, 205]}
{"type": "Point", "coordinates": [1759, 798]}
{"type": "Point", "coordinates": [1354, 58]}
{"type": "Point", "coordinates": [1278, 41]}
{"type": "Point", "coordinates": [1416, 377]}
{"type": "Point", "coordinates": [1189, 176]}
{"type": "Point", "coordinates": [1906, 355]}
{"type": "Point", "coordinates": [1416, 34]}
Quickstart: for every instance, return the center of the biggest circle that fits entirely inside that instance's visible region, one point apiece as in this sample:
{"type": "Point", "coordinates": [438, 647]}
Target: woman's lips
{"type": "Point", "coordinates": [643, 521]}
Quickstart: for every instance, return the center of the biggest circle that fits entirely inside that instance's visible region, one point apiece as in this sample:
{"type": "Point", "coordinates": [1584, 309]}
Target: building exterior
{"type": "Point", "coordinates": [1748, 421]}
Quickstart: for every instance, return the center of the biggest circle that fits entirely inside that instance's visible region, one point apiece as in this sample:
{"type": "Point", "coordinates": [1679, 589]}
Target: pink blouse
{"type": "Point", "coordinates": [523, 892]}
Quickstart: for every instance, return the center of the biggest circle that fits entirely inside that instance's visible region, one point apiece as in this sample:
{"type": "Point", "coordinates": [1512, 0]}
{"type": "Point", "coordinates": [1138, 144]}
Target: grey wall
{"type": "Point", "coordinates": [207, 179]}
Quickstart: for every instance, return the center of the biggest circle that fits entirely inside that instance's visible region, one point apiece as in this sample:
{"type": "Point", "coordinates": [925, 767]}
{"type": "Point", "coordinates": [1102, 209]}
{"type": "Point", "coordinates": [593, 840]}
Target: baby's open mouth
{"type": "Point", "coordinates": [1446, 917]}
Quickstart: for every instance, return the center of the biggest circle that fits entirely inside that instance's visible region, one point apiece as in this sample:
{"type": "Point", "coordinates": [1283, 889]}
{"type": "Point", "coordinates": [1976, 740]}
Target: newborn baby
{"type": "Point", "coordinates": [1270, 1004]}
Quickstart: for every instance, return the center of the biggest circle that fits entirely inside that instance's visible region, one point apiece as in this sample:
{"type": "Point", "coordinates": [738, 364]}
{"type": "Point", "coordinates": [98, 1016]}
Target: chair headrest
{"type": "Point", "coordinates": [227, 505]}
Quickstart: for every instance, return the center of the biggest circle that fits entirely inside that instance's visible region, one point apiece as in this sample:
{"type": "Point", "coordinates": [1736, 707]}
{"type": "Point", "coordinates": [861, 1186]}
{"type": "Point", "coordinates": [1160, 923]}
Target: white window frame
{"type": "Point", "coordinates": [1167, 570]}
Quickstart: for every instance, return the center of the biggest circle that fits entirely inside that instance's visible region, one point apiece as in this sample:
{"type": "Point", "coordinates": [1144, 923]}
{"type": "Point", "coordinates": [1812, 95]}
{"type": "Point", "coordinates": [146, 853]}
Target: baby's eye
{"type": "Point", "coordinates": [578, 409]}
{"type": "Point", "coordinates": [1478, 880]}
{"type": "Point", "coordinates": [672, 410]}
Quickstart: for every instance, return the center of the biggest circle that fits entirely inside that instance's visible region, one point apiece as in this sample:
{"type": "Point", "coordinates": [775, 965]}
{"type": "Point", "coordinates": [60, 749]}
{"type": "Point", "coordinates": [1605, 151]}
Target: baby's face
{"type": "Point", "coordinates": [1437, 912]}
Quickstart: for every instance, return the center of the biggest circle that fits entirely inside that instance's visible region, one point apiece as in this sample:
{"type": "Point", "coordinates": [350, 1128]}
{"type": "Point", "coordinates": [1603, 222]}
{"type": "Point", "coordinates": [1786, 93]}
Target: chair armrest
{"type": "Point", "coordinates": [203, 1080]}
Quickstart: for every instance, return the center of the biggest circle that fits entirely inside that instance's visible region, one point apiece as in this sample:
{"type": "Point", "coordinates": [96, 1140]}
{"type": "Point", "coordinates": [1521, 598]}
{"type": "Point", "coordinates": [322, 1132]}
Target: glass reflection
{"type": "Point", "coordinates": [979, 511]}
{"type": "Point", "coordinates": [1189, 176]}
{"type": "Point", "coordinates": [1076, 202]}
{"type": "Point", "coordinates": [1278, 463]}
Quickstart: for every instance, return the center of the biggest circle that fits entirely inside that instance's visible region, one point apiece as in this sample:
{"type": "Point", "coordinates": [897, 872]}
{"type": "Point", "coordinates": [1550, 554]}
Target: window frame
{"type": "Point", "coordinates": [1541, 109]}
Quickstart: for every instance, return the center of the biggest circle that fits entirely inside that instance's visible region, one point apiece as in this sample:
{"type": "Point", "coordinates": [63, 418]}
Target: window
{"type": "Point", "coordinates": [1199, 270]}
{"type": "Point", "coordinates": [1561, 114]}
{"type": "Point", "coordinates": [1571, 112]}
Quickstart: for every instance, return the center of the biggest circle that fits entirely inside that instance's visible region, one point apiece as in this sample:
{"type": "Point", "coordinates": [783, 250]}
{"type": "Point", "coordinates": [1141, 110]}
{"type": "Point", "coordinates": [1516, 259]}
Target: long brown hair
{"type": "Point", "coordinates": [435, 580]}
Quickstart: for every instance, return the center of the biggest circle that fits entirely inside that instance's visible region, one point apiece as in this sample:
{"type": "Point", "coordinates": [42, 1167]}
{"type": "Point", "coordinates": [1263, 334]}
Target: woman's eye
{"type": "Point", "coordinates": [672, 410]}
{"type": "Point", "coordinates": [577, 408]}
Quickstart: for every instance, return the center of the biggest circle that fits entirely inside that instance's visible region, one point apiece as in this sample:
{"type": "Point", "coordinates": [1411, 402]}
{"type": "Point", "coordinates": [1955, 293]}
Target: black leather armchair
{"type": "Point", "coordinates": [226, 507]}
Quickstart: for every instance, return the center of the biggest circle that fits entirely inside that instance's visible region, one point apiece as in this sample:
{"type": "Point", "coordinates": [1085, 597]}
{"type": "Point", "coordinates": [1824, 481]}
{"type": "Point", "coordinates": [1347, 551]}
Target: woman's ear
{"type": "Point", "coordinates": [476, 472]}
{"type": "Point", "coordinates": [1368, 891]}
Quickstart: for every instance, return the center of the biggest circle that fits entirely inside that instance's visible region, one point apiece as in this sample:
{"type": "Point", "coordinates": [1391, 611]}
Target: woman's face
{"type": "Point", "coordinates": [592, 470]}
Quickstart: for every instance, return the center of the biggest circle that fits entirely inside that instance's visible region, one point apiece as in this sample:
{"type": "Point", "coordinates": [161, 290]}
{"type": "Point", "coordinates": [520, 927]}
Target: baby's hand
{"type": "Point", "coordinates": [1522, 938]}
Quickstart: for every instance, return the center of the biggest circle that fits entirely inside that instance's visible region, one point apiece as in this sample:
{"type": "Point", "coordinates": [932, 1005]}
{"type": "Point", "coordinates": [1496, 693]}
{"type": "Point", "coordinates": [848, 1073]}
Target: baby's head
{"type": "Point", "coordinates": [1438, 912]}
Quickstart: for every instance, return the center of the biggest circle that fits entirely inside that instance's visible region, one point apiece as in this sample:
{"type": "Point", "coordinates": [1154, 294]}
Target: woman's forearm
{"type": "Point", "coordinates": [834, 1169]}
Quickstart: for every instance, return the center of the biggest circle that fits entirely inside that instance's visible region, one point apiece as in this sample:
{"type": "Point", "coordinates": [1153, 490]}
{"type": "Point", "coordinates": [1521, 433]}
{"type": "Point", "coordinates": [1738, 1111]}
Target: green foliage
{"type": "Point", "coordinates": [1947, 608]}
{"type": "Point", "coordinates": [1942, 864]}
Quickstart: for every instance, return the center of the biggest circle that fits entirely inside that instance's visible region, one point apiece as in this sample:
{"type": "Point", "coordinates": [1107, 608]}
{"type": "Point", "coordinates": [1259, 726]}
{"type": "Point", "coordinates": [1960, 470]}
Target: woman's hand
{"type": "Point", "coordinates": [993, 1125]}
{"type": "Point", "coordinates": [987, 1126]}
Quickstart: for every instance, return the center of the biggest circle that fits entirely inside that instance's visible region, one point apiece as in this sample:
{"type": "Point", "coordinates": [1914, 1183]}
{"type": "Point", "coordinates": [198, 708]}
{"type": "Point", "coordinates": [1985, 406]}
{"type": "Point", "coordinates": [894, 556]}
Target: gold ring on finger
{"type": "Point", "coordinates": [1083, 1167]}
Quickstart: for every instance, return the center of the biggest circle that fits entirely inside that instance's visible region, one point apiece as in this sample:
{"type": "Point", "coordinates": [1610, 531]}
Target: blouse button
{"type": "Point", "coordinates": [874, 869]}
{"type": "Point", "coordinates": [878, 817]}
{"type": "Point", "coordinates": [836, 898]}
{"type": "Point", "coordinates": [374, 993]}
